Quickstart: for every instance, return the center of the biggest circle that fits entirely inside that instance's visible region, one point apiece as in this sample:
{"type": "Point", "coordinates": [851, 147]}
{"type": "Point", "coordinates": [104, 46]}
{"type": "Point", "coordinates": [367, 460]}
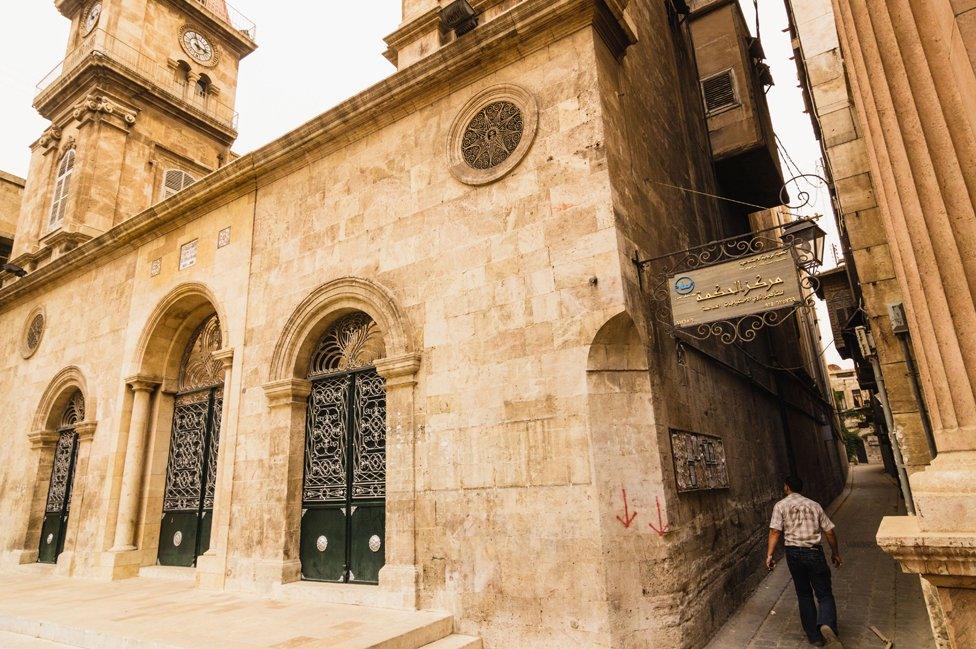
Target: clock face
{"type": "Point", "coordinates": [197, 46]}
{"type": "Point", "coordinates": [91, 17]}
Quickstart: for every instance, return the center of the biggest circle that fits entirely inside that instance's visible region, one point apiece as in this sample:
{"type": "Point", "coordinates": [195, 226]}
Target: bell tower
{"type": "Point", "coordinates": [141, 107]}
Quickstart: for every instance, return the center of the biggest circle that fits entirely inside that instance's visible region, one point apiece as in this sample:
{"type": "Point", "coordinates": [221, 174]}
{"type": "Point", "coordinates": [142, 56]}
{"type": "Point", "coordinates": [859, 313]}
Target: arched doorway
{"type": "Point", "coordinates": [343, 528]}
{"type": "Point", "coordinates": [58, 504]}
{"type": "Point", "coordinates": [188, 495]}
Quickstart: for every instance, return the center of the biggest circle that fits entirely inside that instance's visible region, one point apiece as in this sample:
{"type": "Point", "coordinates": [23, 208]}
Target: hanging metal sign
{"type": "Point", "coordinates": [768, 281]}
{"type": "Point", "coordinates": [732, 289]}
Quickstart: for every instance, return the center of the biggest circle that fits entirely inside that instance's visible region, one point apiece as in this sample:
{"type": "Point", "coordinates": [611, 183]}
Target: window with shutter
{"type": "Point", "coordinates": [719, 92]}
{"type": "Point", "coordinates": [175, 181]}
{"type": "Point", "coordinates": [61, 186]}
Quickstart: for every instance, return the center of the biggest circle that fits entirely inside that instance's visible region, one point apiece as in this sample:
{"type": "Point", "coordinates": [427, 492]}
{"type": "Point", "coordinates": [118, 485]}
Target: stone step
{"type": "Point", "coordinates": [456, 642]}
{"type": "Point", "coordinates": [419, 637]}
{"type": "Point", "coordinates": [173, 614]}
{"type": "Point", "coordinates": [168, 573]}
{"type": "Point", "coordinates": [52, 635]}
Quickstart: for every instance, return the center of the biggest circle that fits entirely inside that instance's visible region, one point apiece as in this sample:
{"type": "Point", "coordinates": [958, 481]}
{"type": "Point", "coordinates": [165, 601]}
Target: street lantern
{"type": "Point", "coordinates": [808, 239]}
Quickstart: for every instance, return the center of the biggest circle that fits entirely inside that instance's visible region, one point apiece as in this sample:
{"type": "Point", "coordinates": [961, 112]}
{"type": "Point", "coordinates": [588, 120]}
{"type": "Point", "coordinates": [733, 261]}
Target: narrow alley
{"type": "Point", "coordinates": [870, 588]}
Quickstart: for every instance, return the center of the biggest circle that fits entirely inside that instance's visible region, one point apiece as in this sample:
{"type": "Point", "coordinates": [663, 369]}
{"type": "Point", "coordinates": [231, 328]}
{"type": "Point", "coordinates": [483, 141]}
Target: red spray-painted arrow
{"type": "Point", "coordinates": [628, 517]}
{"type": "Point", "coordinates": [664, 528]}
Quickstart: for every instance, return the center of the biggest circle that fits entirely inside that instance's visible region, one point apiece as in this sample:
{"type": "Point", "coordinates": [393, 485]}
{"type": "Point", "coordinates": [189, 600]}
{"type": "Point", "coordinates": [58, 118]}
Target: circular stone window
{"type": "Point", "coordinates": [492, 134]}
{"type": "Point", "coordinates": [33, 333]}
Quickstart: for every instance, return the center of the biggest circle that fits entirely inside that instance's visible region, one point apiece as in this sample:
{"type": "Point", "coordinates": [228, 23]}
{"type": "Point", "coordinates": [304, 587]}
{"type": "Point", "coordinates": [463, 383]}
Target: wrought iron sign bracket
{"type": "Point", "coordinates": [663, 269]}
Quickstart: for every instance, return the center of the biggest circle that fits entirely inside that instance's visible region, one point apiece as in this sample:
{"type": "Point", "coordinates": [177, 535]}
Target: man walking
{"type": "Point", "coordinates": [802, 523]}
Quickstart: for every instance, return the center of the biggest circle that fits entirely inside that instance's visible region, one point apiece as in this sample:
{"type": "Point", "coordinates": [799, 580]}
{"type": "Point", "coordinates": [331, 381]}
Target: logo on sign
{"type": "Point", "coordinates": [684, 285]}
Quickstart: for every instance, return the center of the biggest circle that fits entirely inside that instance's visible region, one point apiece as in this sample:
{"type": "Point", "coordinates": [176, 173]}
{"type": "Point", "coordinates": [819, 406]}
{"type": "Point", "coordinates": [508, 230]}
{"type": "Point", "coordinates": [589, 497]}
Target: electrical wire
{"type": "Point", "coordinates": [721, 198]}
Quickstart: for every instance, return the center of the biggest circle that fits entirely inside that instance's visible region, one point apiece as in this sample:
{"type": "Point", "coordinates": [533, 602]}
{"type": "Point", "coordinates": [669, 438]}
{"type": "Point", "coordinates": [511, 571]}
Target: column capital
{"type": "Point", "coordinates": [949, 556]}
{"type": "Point", "coordinates": [85, 431]}
{"type": "Point", "coordinates": [287, 392]}
{"type": "Point", "coordinates": [225, 356]}
{"type": "Point", "coordinates": [399, 370]}
{"type": "Point", "coordinates": [142, 383]}
{"type": "Point", "coordinates": [42, 438]}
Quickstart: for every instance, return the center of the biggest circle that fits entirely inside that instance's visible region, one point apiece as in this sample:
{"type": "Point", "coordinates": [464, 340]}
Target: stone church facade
{"type": "Point", "coordinates": [401, 355]}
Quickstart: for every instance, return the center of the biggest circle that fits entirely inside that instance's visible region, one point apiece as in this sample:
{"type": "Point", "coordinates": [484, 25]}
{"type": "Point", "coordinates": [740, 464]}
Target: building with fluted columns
{"type": "Point", "coordinates": [401, 356]}
{"type": "Point", "coordinates": [896, 103]}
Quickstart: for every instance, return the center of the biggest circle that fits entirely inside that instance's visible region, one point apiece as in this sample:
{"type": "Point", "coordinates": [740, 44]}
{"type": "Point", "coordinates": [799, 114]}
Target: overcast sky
{"type": "Point", "coordinates": [314, 54]}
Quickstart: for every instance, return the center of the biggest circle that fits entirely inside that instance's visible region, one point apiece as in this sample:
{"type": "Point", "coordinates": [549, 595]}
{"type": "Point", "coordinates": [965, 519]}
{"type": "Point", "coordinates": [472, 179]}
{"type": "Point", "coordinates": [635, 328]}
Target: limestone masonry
{"type": "Point", "coordinates": [400, 355]}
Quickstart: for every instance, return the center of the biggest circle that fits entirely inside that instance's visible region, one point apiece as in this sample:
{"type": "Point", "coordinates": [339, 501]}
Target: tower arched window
{"type": "Point", "coordinates": [182, 73]}
{"type": "Point", "coordinates": [175, 181]}
{"type": "Point", "coordinates": [202, 88]}
{"type": "Point", "coordinates": [61, 186]}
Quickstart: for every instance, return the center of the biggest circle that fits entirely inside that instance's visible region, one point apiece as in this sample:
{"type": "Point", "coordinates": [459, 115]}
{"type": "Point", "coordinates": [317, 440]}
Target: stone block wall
{"type": "Point", "coordinates": [542, 394]}
{"type": "Point", "coordinates": [659, 585]}
{"type": "Point", "coordinates": [494, 285]}
{"type": "Point", "coordinates": [11, 194]}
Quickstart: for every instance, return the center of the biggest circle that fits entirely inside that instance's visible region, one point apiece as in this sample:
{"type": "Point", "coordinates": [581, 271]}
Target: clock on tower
{"type": "Point", "coordinates": [156, 103]}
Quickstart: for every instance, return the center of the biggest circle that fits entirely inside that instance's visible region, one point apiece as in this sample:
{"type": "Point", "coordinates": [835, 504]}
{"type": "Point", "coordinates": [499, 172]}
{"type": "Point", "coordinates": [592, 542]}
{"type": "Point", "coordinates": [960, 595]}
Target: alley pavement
{"type": "Point", "coordinates": [870, 588]}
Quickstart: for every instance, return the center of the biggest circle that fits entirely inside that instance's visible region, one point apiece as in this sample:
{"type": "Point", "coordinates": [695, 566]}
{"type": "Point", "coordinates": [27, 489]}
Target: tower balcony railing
{"type": "Point", "coordinates": [168, 80]}
{"type": "Point", "coordinates": [230, 15]}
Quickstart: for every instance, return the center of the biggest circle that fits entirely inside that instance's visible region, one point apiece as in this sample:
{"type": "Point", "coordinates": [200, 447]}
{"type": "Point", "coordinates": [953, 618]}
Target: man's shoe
{"type": "Point", "coordinates": [830, 638]}
{"type": "Point", "coordinates": [817, 643]}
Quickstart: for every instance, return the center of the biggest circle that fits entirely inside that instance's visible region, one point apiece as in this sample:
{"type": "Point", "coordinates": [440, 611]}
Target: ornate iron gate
{"type": "Point", "coordinates": [184, 532]}
{"type": "Point", "coordinates": [343, 531]}
{"type": "Point", "coordinates": [58, 504]}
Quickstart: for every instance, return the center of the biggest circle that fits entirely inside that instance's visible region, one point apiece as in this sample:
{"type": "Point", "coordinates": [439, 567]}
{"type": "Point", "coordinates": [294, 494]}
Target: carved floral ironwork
{"type": "Point", "coordinates": [351, 343]}
{"type": "Point", "coordinates": [745, 329]}
{"type": "Point", "coordinates": [199, 368]}
{"type": "Point", "coordinates": [59, 491]}
{"type": "Point", "coordinates": [34, 332]}
{"type": "Point", "coordinates": [492, 135]}
{"type": "Point", "coordinates": [346, 418]}
{"type": "Point", "coordinates": [74, 414]}
{"type": "Point", "coordinates": [194, 444]}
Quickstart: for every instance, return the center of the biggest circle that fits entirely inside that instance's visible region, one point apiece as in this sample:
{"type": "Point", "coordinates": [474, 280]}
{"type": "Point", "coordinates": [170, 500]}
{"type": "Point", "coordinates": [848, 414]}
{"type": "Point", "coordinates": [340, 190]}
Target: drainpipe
{"type": "Point", "coordinates": [867, 351]}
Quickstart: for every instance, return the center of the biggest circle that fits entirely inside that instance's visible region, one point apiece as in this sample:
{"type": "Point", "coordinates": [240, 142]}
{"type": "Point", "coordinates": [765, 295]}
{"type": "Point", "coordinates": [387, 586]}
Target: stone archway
{"type": "Point", "coordinates": [287, 393]}
{"type": "Point", "coordinates": [170, 329]}
{"type": "Point", "coordinates": [626, 443]}
{"type": "Point", "coordinates": [67, 389]}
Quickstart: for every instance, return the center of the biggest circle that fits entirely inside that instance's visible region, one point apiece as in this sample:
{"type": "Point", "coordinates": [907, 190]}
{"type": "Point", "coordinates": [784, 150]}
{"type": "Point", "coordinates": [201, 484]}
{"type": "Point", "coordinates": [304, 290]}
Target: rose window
{"type": "Point", "coordinates": [492, 135]}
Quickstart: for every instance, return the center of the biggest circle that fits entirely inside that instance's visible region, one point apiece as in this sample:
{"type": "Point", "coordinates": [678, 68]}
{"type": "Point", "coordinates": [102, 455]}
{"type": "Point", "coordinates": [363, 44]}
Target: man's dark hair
{"type": "Point", "coordinates": [794, 483]}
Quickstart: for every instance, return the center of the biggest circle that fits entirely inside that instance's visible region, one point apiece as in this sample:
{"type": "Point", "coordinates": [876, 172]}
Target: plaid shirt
{"type": "Point", "coordinates": [801, 521]}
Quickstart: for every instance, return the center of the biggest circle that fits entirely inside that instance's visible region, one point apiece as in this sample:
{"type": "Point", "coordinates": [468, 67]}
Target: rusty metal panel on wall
{"type": "Point", "coordinates": [699, 461]}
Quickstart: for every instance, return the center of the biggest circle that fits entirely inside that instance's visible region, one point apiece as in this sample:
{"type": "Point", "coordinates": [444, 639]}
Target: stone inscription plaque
{"type": "Point", "coordinates": [754, 284]}
{"type": "Point", "coordinates": [699, 461]}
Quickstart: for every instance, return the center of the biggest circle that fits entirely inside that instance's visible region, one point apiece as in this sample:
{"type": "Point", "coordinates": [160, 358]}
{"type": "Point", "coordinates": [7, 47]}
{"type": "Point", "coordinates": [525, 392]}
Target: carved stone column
{"type": "Point", "coordinates": [212, 564]}
{"type": "Point", "coordinates": [282, 513]}
{"type": "Point", "coordinates": [398, 578]}
{"type": "Point", "coordinates": [933, 240]}
{"type": "Point", "coordinates": [917, 99]}
{"type": "Point", "coordinates": [899, 199]}
{"type": "Point", "coordinates": [85, 432]}
{"type": "Point", "coordinates": [129, 496]}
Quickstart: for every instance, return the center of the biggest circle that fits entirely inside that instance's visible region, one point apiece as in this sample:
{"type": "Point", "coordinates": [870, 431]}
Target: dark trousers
{"type": "Point", "coordinates": [811, 576]}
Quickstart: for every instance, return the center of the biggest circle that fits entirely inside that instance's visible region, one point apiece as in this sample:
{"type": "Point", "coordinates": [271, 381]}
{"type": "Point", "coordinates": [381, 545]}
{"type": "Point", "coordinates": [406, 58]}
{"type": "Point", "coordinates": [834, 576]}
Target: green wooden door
{"type": "Point", "coordinates": [184, 531]}
{"type": "Point", "coordinates": [344, 489]}
{"type": "Point", "coordinates": [58, 504]}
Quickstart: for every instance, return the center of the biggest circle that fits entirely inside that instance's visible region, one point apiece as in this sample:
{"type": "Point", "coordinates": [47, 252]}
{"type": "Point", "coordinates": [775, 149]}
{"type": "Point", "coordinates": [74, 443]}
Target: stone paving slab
{"type": "Point", "coordinates": [155, 614]}
{"type": "Point", "coordinates": [870, 588]}
{"type": "Point", "coordinates": [17, 641]}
